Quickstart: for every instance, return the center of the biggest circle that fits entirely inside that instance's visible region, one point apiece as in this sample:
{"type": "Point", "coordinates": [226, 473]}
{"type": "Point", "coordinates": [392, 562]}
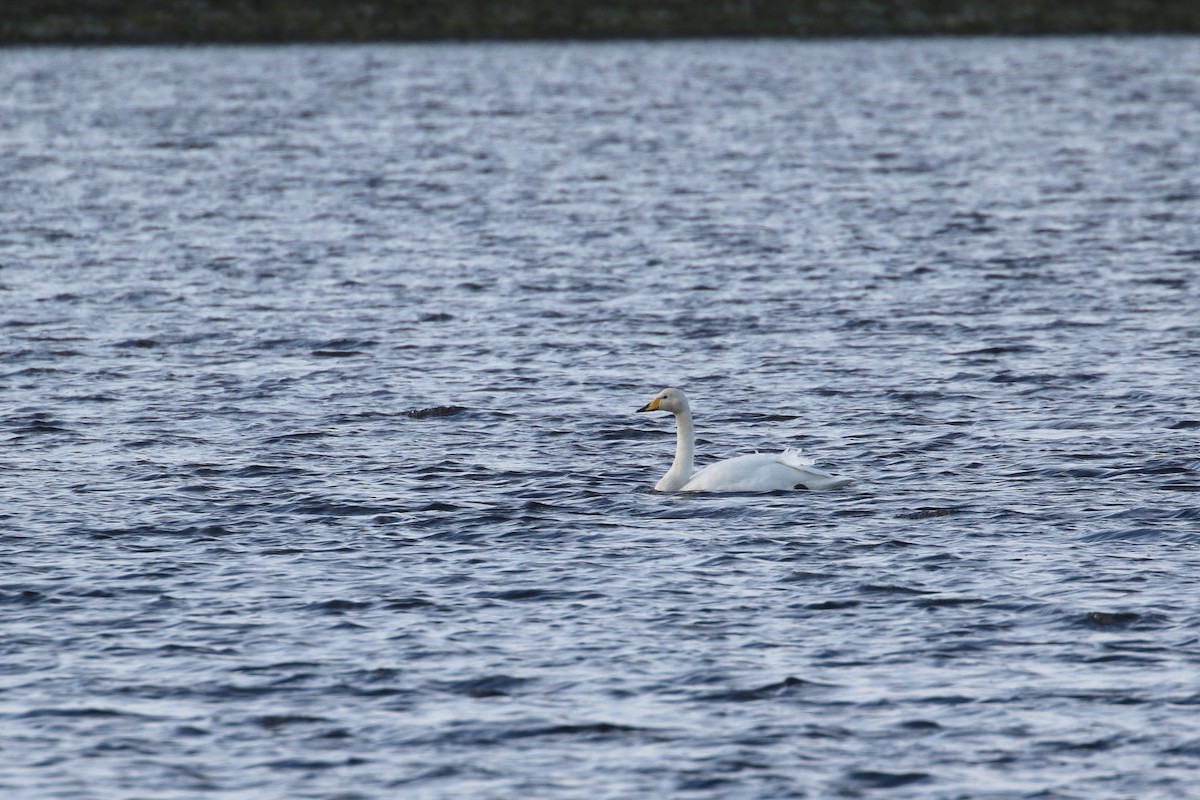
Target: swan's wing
{"type": "Point", "coordinates": [808, 475]}
{"type": "Point", "coordinates": [791, 457]}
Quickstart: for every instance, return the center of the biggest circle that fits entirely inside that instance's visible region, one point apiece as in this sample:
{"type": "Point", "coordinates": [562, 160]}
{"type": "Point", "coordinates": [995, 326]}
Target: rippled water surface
{"type": "Point", "coordinates": [322, 479]}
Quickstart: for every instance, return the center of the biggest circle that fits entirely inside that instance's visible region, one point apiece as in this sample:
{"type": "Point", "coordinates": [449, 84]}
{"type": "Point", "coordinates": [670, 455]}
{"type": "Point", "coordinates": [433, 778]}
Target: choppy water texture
{"type": "Point", "coordinates": [322, 479]}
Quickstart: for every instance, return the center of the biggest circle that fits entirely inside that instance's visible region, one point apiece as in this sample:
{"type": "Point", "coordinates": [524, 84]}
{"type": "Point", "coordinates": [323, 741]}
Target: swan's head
{"type": "Point", "coordinates": [671, 400]}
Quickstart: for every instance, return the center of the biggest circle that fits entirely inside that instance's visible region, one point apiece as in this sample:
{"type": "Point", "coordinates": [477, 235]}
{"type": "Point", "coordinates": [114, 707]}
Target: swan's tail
{"type": "Point", "coordinates": [812, 477]}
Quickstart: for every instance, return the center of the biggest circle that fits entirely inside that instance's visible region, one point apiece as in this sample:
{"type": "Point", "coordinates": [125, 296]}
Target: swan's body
{"type": "Point", "coordinates": [758, 472]}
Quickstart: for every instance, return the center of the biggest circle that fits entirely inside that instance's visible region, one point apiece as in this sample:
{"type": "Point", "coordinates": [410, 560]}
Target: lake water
{"type": "Point", "coordinates": [320, 471]}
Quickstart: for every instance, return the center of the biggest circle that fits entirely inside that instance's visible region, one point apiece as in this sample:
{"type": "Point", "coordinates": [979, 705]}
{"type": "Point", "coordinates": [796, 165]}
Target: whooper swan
{"type": "Point", "coordinates": [758, 472]}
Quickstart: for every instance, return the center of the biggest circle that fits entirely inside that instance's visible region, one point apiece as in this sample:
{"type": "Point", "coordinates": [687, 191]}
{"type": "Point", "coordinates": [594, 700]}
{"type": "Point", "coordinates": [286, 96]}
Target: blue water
{"type": "Point", "coordinates": [319, 468]}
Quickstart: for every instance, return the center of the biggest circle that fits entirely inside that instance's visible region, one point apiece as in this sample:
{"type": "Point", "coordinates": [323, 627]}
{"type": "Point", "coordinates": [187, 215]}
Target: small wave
{"type": "Point", "coordinates": [497, 733]}
{"type": "Point", "coordinates": [313, 765]}
{"type": "Point", "coordinates": [338, 606]}
{"type": "Point", "coordinates": [931, 512]}
{"type": "Point", "coordinates": [1120, 619]}
{"type": "Point", "coordinates": [877, 779]}
{"type": "Point", "coordinates": [336, 353]}
{"type": "Point", "coordinates": [891, 588]}
{"type": "Point", "coordinates": [788, 687]}
{"type": "Point", "coordinates": [87, 712]}
{"type": "Point", "coordinates": [274, 722]}
{"type": "Point", "coordinates": [534, 594]}
{"type": "Point", "coordinates": [434, 412]}
{"type": "Point", "coordinates": [485, 686]}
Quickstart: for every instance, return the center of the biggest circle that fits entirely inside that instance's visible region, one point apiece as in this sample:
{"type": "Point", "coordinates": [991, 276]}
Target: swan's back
{"type": "Point", "coordinates": [762, 472]}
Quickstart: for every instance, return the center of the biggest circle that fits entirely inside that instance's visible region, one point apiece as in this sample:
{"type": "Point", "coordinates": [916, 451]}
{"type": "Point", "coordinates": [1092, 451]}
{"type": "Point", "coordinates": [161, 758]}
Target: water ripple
{"type": "Point", "coordinates": [322, 477]}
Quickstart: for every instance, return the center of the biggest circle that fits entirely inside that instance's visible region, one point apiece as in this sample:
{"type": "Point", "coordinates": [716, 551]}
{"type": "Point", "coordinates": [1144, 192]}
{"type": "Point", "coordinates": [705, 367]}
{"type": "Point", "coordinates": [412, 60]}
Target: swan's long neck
{"type": "Point", "coordinates": [685, 447]}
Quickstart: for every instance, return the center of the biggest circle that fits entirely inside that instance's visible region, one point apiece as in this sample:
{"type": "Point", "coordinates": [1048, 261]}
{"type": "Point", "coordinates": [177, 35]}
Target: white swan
{"type": "Point", "coordinates": [759, 472]}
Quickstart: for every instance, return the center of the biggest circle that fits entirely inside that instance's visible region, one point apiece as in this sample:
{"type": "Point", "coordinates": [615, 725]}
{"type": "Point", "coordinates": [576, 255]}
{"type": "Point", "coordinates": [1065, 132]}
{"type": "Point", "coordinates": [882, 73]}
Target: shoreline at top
{"type": "Point", "coordinates": [327, 21]}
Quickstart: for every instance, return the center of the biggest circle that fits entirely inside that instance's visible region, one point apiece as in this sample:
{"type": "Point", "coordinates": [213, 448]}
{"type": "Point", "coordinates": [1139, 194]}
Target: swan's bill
{"type": "Point", "coordinates": [651, 406]}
